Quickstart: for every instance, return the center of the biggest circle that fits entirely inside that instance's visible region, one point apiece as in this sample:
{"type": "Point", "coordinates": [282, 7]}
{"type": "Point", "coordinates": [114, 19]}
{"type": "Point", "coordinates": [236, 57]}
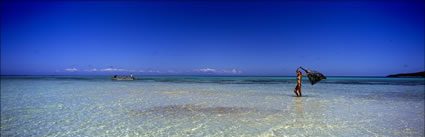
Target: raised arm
{"type": "Point", "coordinates": [306, 71]}
{"type": "Point", "coordinates": [303, 69]}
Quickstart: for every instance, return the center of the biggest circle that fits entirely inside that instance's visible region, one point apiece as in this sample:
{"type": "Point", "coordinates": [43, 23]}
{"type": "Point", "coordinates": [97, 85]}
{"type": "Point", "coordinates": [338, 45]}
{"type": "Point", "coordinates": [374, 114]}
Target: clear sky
{"type": "Point", "coordinates": [350, 38]}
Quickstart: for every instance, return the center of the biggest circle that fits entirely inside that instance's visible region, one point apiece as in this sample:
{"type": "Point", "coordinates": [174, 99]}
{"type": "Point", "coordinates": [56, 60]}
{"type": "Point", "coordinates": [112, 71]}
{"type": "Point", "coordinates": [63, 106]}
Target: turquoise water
{"type": "Point", "coordinates": [210, 106]}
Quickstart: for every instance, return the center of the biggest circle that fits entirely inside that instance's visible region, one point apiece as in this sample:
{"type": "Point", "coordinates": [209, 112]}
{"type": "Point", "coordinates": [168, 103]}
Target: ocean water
{"type": "Point", "coordinates": [210, 106]}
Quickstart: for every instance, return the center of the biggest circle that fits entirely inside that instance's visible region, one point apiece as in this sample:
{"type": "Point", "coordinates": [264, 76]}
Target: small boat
{"type": "Point", "coordinates": [123, 78]}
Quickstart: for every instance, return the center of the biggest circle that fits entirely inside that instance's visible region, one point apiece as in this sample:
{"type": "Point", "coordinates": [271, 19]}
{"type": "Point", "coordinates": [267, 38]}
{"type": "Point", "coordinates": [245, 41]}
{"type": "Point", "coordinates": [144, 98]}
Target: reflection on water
{"type": "Point", "coordinates": [298, 108]}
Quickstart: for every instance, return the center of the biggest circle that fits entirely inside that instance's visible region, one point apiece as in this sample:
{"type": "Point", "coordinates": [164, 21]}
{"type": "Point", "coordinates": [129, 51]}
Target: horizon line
{"type": "Point", "coordinates": [218, 76]}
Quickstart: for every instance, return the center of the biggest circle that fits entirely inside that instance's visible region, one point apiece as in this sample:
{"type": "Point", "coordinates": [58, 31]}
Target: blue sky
{"type": "Point", "coordinates": [351, 38]}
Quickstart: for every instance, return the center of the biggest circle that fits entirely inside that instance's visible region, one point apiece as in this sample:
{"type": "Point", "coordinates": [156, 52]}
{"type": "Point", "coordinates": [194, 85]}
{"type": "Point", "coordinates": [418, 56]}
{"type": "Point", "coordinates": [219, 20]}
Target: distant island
{"type": "Point", "coordinates": [417, 74]}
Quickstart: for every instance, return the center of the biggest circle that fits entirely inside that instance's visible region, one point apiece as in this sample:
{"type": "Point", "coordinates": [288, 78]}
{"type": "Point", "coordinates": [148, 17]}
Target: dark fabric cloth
{"type": "Point", "coordinates": [315, 77]}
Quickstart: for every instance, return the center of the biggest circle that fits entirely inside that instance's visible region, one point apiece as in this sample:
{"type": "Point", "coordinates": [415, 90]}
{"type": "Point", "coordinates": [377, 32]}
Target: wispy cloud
{"type": "Point", "coordinates": [206, 70]}
{"type": "Point", "coordinates": [203, 70]}
{"type": "Point", "coordinates": [233, 71]}
{"type": "Point", "coordinates": [71, 69]}
{"type": "Point", "coordinates": [210, 70]}
{"type": "Point", "coordinates": [117, 70]}
{"type": "Point", "coordinates": [153, 71]}
{"type": "Point", "coordinates": [113, 70]}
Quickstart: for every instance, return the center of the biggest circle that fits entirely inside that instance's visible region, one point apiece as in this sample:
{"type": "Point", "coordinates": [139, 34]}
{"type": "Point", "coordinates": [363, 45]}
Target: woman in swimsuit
{"type": "Point", "coordinates": [299, 78]}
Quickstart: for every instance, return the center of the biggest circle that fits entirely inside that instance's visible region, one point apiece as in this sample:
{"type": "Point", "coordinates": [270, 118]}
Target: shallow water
{"type": "Point", "coordinates": [210, 106]}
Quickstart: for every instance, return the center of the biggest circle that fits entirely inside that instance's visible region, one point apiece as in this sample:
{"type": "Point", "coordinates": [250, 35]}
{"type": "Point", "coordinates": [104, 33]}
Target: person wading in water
{"type": "Point", "coordinates": [299, 78]}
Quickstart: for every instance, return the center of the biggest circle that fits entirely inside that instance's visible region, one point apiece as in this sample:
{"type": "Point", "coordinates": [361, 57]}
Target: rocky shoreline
{"type": "Point", "coordinates": [417, 74]}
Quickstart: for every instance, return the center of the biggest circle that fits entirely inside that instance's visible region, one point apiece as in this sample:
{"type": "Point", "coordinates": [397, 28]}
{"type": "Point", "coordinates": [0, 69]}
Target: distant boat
{"type": "Point", "coordinates": [123, 78]}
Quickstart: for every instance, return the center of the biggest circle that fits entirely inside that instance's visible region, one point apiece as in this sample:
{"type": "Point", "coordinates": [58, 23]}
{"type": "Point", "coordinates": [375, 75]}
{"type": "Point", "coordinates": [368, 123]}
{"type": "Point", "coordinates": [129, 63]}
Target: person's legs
{"type": "Point", "coordinates": [299, 90]}
{"type": "Point", "coordinates": [295, 90]}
